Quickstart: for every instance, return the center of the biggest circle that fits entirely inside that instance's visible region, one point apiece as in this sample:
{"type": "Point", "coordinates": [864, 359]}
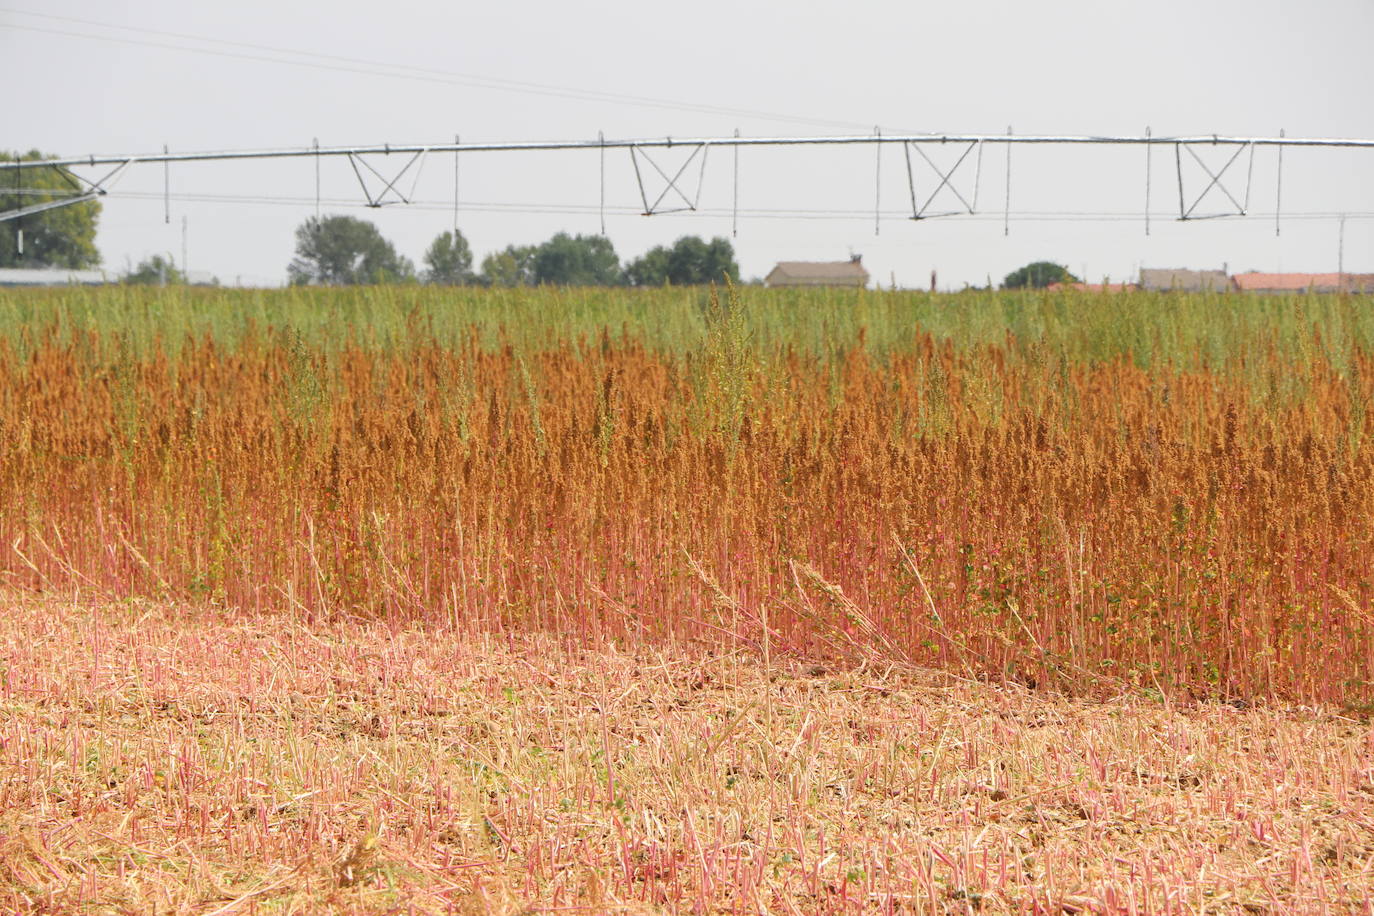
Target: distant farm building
{"type": "Point", "coordinates": [1256, 282]}
{"type": "Point", "coordinates": [47, 276]}
{"type": "Point", "coordinates": [819, 273]}
{"type": "Point", "coordinates": [1163, 279]}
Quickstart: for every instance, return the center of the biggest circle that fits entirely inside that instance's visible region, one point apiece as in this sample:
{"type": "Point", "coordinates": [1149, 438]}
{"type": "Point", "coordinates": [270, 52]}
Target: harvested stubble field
{"type": "Point", "coordinates": [642, 600]}
{"type": "Point", "coordinates": [160, 759]}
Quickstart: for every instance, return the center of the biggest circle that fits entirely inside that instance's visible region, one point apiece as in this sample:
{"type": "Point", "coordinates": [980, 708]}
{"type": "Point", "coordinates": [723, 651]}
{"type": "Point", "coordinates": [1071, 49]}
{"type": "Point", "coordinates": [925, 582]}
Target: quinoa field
{"type": "Point", "coordinates": [405, 599]}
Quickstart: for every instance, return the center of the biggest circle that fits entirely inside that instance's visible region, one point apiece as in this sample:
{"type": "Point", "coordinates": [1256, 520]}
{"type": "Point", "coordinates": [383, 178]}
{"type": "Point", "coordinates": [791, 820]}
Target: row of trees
{"type": "Point", "coordinates": [344, 250]}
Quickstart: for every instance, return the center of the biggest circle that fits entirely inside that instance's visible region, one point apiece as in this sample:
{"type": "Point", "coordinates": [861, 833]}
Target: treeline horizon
{"type": "Point", "coordinates": [347, 251]}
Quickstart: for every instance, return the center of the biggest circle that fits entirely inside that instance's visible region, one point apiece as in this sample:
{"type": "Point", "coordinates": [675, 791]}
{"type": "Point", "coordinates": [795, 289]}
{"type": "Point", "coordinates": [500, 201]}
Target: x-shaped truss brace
{"type": "Point", "coordinates": [1187, 212]}
{"type": "Point", "coordinates": [83, 189]}
{"type": "Point", "coordinates": [922, 210]}
{"type": "Point", "coordinates": [671, 186]}
{"type": "Point", "coordinates": [388, 187]}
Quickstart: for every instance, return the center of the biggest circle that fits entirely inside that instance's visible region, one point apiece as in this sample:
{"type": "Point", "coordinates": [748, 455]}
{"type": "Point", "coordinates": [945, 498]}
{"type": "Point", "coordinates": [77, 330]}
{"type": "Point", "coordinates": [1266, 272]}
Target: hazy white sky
{"type": "Point", "coordinates": [115, 77]}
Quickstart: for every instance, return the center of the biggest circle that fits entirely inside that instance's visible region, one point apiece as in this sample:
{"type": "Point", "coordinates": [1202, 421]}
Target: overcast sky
{"type": "Point", "coordinates": [120, 77]}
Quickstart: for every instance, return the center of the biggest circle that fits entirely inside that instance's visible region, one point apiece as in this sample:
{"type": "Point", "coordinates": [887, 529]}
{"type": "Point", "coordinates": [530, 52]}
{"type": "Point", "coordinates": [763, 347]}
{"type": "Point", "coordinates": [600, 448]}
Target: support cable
{"type": "Point", "coordinates": [1340, 252]}
{"type": "Point", "coordinates": [639, 179]}
{"type": "Point", "coordinates": [419, 161]}
{"type": "Point", "coordinates": [1148, 149]}
{"type": "Point", "coordinates": [388, 187]}
{"type": "Point", "coordinates": [1178, 166]}
{"type": "Point", "coordinates": [977, 177]}
{"type": "Point", "coordinates": [1006, 213]}
{"type": "Point", "coordinates": [1278, 191]}
{"type": "Point", "coordinates": [734, 200]}
{"type": "Point", "coordinates": [946, 181]}
{"type": "Point", "coordinates": [671, 183]}
{"type": "Point", "coordinates": [1249, 180]}
{"type": "Point", "coordinates": [18, 225]}
{"type": "Point", "coordinates": [911, 181]}
{"type": "Point", "coordinates": [877, 180]}
{"type": "Point", "coordinates": [701, 175]}
{"type": "Point", "coordinates": [861, 214]}
{"type": "Point", "coordinates": [352, 160]}
{"type": "Point", "coordinates": [1215, 183]}
{"type": "Point", "coordinates": [375, 68]}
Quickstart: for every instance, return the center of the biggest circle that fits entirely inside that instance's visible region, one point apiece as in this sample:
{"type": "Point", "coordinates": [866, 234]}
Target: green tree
{"type": "Point", "coordinates": [689, 262]}
{"type": "Point", "coordinates": [1038, 276]}
{"type": "Point", "coordinates": [60, 237]}
{"type": "Point", "coordinates": [651, 268]}
{"type": "Point", "coordinates": [343, 250]}
{"type": "Point", "coordinates": [513, 266]}
{"type": "Point", "coordinates": [449, 260]}
{"type": "Point", "coordinates": [158, 270]}
{"type": "Point", "coordinates": [581, 260]}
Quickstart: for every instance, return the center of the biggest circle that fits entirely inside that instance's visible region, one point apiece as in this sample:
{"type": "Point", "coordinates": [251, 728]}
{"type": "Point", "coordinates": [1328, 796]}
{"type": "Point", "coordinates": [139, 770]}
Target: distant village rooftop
{"type": "Point", "coordinates": [819, 273]}
{"type": "Point", "coordinates": [1257, 282]}
{"type": "Point", "coordinates": [1163, 279]}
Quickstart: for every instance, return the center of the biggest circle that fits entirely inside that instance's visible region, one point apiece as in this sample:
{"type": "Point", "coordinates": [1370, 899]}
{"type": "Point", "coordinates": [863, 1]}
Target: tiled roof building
{"type": "Point", "coordinates": [819, 273]}
{"type": "Point", "coordinates": [1256, 282]}
{"type": "Point", "coordinates": [1164, 279]}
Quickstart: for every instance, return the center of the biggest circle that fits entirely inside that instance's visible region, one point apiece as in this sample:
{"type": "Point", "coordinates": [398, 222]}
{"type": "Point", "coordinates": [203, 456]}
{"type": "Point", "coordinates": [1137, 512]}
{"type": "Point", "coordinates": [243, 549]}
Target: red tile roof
{"type": "Point", "coordinates": [1255, 281]}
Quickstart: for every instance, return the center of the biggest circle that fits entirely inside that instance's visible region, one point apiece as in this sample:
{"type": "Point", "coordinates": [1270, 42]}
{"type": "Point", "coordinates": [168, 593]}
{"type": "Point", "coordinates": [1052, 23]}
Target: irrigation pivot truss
{"type": "Point", "coordinates": [668, 190]}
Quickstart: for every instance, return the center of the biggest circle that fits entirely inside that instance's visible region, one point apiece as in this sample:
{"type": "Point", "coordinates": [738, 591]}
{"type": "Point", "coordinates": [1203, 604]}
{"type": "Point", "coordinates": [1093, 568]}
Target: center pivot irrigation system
{"type": "Point", "coordinates": [665, 189]}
